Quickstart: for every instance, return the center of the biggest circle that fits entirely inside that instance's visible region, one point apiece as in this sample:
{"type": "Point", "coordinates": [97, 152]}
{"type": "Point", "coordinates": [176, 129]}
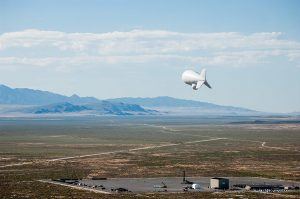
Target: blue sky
{"type": "Point", "coordinates": [138, 48]}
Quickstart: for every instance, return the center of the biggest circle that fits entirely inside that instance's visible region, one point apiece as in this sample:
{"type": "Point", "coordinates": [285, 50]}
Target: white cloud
{"type": "Point", "coordinates": [49, 48]}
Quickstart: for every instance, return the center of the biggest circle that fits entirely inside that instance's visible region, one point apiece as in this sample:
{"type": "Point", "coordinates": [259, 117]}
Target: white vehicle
{"type": "Point", "coordinates": [196, 186]}
{"type": "Point", "coordinates": [195, 79]}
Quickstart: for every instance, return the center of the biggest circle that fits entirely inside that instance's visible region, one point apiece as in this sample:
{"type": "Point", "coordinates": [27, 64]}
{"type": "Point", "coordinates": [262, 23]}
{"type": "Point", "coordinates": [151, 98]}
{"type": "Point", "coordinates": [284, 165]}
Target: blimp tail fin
{"type": "Point", "coordinates": [199, 84]}
{"type": "Point", "coordinates": [207, 84]}
{"type": "Point", "coordinates": [203, 74]}
{"type": "Point", "coordinates": [203, 79]}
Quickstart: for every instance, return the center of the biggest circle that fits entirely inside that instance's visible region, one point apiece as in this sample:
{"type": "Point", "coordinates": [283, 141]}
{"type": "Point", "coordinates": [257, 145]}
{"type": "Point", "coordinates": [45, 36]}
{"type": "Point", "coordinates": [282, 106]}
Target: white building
{"type": "Point", "coordinates": [219, 183]}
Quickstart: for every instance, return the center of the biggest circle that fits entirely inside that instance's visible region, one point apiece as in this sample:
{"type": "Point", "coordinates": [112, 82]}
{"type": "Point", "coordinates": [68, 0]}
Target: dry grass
{"type": "Point", "coordinates": [240, 154]}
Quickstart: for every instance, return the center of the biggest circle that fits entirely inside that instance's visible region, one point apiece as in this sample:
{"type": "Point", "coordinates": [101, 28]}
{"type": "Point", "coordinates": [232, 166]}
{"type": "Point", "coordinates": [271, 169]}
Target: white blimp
{"type": "Point", "coordinates": [195, 79]}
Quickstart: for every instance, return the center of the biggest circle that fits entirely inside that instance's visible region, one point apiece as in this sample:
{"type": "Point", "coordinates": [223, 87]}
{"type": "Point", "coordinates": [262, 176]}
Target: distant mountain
{"type": "Point", "coordinates": [43, 102]}
{"type": "Point", "coordinates": [63, 108]}
{"type": "Point", "coordinates": [28, 101]}
{"type": "Point", "coordinates": [119, 108]}
{"type": "Point", "coordinates": [99, 108]}
{"type": "Point", "coordinates": [163, 101]}
{"type": "Point", "coordinates": [59, 108]}
{"type": "Point", "coordinates": [25, 96]}
{"type": "Point", "coordinates": [185, 107]}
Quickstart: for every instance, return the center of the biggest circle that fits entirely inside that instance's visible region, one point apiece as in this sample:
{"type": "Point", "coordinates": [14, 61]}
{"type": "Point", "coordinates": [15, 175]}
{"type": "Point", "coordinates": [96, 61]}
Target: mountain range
{"type": "Point", "coordinates": [25, 96]}
{"type": "Point", "coordinates": [28, 101]}
{"type": "Point", "coordinates": [170, 105]}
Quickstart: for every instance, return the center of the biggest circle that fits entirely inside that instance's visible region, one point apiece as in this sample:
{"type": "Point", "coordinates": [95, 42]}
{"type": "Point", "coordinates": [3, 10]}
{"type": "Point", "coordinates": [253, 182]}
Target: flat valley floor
{"type": "Point", "coordinates": [32, 149]}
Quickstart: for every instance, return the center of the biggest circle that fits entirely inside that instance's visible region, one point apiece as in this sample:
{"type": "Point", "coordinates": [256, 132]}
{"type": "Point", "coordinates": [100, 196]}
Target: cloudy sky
{"type": "Point", "coordinates": [137, 48]}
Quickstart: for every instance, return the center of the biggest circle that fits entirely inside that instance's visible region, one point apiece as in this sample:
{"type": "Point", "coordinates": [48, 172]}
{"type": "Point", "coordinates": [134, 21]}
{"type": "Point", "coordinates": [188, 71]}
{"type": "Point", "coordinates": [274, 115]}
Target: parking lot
{"type": "Point", "coordinates": [163, 184]}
